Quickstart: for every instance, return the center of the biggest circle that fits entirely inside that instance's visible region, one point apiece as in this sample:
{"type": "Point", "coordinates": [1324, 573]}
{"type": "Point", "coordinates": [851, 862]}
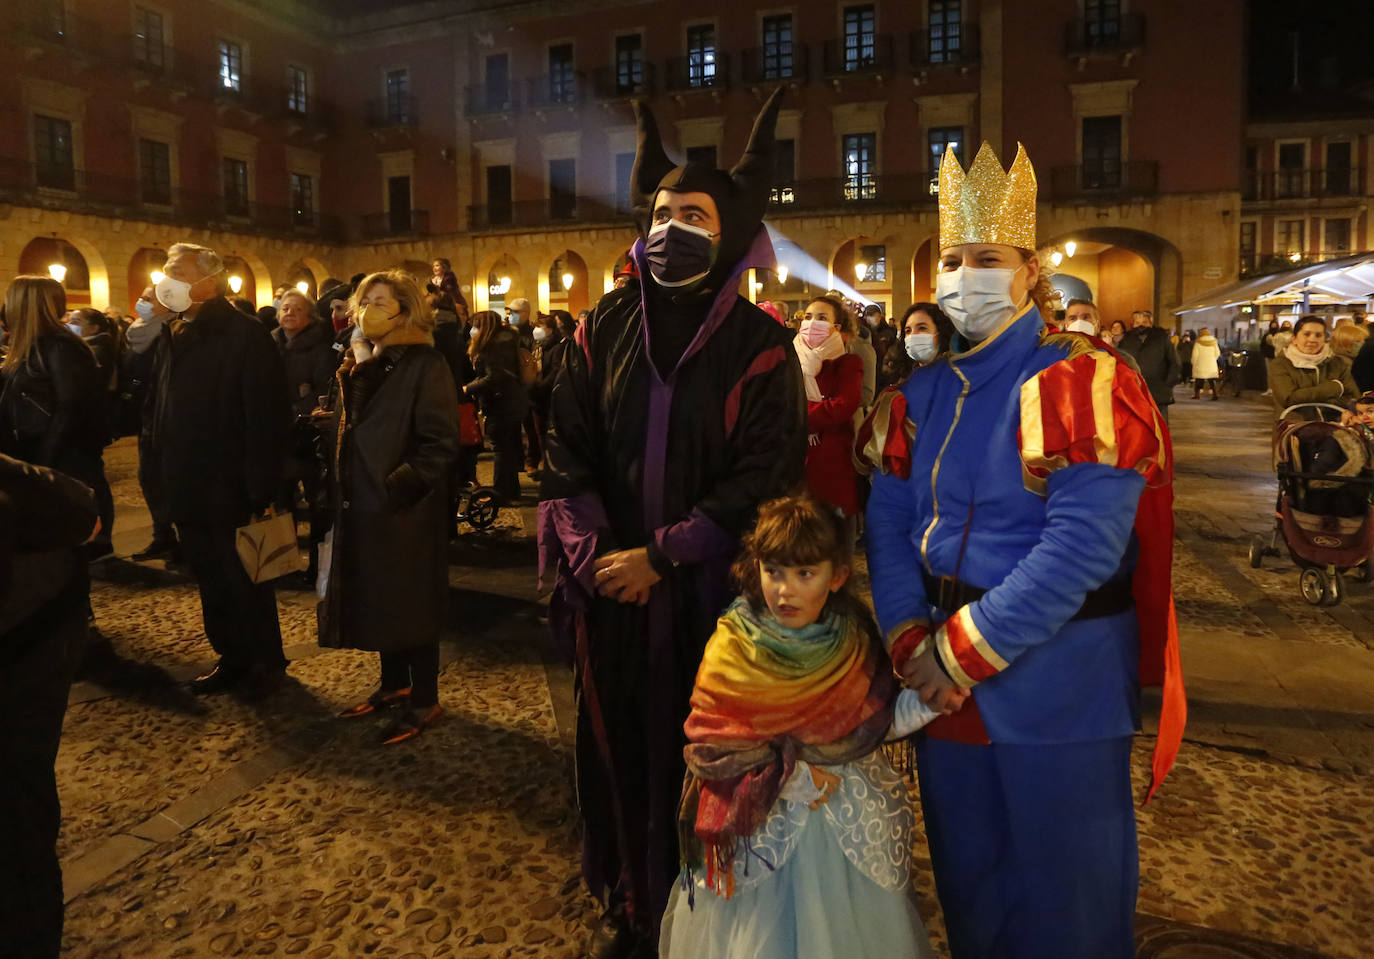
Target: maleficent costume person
{"type": "Point", "coordinates": [679, 409]}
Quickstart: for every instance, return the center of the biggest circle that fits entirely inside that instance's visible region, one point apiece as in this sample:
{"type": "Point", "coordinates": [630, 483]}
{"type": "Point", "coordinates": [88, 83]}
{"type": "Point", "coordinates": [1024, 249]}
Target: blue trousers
{"type": "Point", "coordinates": [1033, 847]}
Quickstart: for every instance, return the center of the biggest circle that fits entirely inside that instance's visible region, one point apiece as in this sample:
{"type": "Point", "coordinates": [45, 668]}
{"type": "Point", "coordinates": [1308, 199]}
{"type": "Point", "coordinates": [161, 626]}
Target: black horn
{"type": "Point", "coordinates": [754, 171]}
{"type": "Point", "coordinates": [651, 162]}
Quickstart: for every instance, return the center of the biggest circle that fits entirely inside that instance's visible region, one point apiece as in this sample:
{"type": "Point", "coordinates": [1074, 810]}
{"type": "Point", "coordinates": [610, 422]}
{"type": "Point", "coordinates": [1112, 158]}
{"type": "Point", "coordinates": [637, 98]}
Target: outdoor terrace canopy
{"type": "Point", "coordinates": [1335, 281]}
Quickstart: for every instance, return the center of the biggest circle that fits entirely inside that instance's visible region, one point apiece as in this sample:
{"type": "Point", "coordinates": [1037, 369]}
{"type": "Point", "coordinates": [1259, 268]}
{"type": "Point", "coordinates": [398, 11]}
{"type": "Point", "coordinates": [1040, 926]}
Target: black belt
{"type": "Point", "coordinates": [950, 595]}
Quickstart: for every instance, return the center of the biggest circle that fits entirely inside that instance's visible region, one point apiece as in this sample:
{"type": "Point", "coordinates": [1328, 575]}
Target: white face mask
{"type": "Point", "coordinates": [921, 347]}
{"type": "Point", "coordinates": [976, 300]}
{"type": "Point", "coordinates": [539, 333]}
{"type": "Point", "coordinates": [176, 294]}
{"type": "Point", "coordinates": [75, 328]}
{"type": "Point", "coordinates": [145, 309]}
{"type": "Point", "coordinates": [1082, 326]}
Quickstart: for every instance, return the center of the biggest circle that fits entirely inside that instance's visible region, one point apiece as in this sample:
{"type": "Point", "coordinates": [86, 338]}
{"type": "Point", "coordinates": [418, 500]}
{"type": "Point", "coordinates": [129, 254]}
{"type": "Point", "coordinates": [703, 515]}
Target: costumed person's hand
{"type": "Point", "coordinates": [96, 531]}
{"type": "Point", "coordinates": [626, 575]}
{"type": "Point", "coordinates": [826, 782]}
{"type": "Point", "coordinates": [923, 674]}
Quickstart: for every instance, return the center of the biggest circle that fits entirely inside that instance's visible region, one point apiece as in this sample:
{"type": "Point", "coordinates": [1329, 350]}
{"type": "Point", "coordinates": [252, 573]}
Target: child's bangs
{"type": "Point", "coordinates": [797, 539]}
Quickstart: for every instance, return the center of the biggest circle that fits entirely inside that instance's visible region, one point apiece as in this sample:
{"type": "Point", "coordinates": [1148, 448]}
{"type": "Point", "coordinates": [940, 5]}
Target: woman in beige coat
{"type": "Point", "coordinates": [1308, 372]}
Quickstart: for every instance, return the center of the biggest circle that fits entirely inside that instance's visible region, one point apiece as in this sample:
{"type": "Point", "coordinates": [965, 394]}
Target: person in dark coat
{"type": "Point", "coordinates": [309, 358]}
{"type": "Point", "coordinates": [498, 389]}
{"type": "Point", "coordinates": [1156, 357]}
{"type": "Point", "coordinates": [882, 335]}
{"type": "Point", "coordinates": [1363, 366]}
{"type": "Point", "coordinates": [45, 516]}
{"type": "Point", "coordinates": [451, 340]}
{"type": "Point", "coordinates": [136, 375]}
{"type": "Point", "coordinates": [397, 422]}
{"type": "Point", "coordinates": [220, 429]}
{"type": "Point", "coordinates": [679, 408]}
{"type": "Point", "coordinates": [834, 380]}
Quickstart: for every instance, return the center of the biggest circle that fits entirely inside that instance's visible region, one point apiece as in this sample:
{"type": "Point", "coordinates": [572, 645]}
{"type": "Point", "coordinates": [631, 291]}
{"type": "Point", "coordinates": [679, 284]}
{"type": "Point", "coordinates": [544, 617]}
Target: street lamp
{"type": "Point", "coordinates": [157, 276]}
{"type": "Point", "coordinates": [57, 271]}
{"type": "Point", "coordinates": [781, 273]}
{"type": "Point", "coordinates": [567, 281]}
{"type": "Point", "coordinates": [860, 271]}
{"type": "Point", "coordinates": [1056, 258]}
{"type": "Point", "coordinates": [303, 286]}
{"type": "Point", "coordinates": [235, 283]}
{"type": "Point", "coordinates": [1069, 248]}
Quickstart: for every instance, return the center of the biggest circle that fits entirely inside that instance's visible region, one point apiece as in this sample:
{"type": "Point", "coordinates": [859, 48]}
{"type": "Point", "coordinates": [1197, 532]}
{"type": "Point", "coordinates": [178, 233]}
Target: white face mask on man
{"type": "Point", "coordinates": [977, 300]}
{"type": "Point", "coordinates": [175, 294]}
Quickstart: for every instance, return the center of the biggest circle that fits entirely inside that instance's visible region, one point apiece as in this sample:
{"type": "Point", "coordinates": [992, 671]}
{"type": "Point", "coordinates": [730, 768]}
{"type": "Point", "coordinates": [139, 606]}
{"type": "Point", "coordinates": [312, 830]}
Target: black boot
{"type": "Point", "coordinates": [613, 938]}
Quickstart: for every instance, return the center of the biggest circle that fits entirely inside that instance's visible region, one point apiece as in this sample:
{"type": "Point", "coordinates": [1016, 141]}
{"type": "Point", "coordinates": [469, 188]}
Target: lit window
{"type": "Point", "coordinates": [230, 66]}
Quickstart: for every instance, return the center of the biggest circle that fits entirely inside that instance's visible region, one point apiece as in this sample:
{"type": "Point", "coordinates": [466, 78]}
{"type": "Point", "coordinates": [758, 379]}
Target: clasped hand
{"type": "Point", "coordinates": [923, 674]}
{"type": "Point", "coordinates": [626, 576]}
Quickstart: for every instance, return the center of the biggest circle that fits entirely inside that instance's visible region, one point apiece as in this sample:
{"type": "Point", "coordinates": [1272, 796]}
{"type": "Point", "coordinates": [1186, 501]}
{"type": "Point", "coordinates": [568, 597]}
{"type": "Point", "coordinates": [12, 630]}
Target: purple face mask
{"type": "Point", "coordinates": [679, 255]}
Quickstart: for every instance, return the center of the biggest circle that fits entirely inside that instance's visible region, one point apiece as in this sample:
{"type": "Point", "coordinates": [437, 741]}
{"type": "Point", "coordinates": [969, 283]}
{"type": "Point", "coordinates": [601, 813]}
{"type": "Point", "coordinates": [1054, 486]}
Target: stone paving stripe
{"type": "Point", "coordinates": [1250, 596]}
{"type": "Point", "coordinates": [83, 873]}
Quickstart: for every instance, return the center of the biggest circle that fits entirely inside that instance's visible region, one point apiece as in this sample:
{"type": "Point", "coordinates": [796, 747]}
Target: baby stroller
{"type": "Point", "coordinates": [1323, 514]}
{"type": "Point", "coordinates": [478, 506]}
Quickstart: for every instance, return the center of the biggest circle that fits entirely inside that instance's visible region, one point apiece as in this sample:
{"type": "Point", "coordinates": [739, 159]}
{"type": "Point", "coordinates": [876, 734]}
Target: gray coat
{"type": "Point", "coordinates": [1154, 353]}
{"type": "Point", "coordinates": [397, 439]}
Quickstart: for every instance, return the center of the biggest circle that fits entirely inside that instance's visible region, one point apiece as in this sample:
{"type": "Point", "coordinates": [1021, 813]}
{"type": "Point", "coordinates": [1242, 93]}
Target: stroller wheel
{"type": "Point", "coordinates": [482, 509]}
{"type": "Point", "coordinates": [1335, 589]}
{"type": "Point", "coordinates": [1257, 552]}
{"type": "Point", "coordinates": [1314, 585]}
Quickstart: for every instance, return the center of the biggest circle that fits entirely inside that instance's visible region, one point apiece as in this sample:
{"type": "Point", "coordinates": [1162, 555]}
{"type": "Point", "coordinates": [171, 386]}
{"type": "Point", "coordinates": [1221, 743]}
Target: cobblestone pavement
{"type": "Point", "coordinates": [216, 827]}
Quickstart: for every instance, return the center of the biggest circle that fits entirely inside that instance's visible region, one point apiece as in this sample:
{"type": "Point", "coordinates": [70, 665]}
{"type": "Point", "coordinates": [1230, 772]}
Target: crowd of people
{"type": "Point", "coordinates": [706, 469]}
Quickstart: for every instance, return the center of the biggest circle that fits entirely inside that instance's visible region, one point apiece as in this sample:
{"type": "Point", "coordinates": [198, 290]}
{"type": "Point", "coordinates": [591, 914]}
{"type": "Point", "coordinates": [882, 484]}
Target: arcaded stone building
{"type": "Point", "coordinates": [316, 138]}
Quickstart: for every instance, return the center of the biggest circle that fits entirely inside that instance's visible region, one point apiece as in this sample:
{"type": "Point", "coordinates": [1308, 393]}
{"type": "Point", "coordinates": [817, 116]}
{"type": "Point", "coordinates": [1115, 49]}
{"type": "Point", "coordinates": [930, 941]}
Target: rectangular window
{"type": "Point", "coordinates": [1292, 175]}
{"type": "Point", "coordinates": [874, 259]}
{"type": "Point", "coordinates": [154, 172]}
{"type": "Point", "coordinates": [624, 166]}
{"type": "Point", "coordinates": [860, 166]}
{"type": "Point", "coordinates": [1250, 186]}
{"type": "Point", "coordinates": [398, 103]}
{"type": "Point", "coordinates": [701, 55]}
{"type": "Point", "coordinates": [939, 139]}
{"type": "Point", "coordinates": [230, 66]}
{"type": "Point", "coordinates": [498, 195]}
{"type": "Point", "coordinates": [52, 153]}
{"type": "Point", "coordinates": [297, 91]}
{"type": "Point", "coordinates": [497, 87]}
{"type": "Point", "coordinates": [945, 31]}
{"type": "Point", "coordinates": [1101, 22]}
{"type": "Point", "coordinates": [1102, 153]}
{"type": "Point", "coordinates": [629, 63]}
{"type": "Point", "coordinates": [562, 78]}
{"type": "Point", "coordinates": [302, 199]}
{"type": "Point", "coordinates": [1338, 169]}
{"type": "Point", "coordinates": [784, 172]}
{"type": "Point", "coordinates": [562, 189]}
{"type": "Point", "coordinates": [1248, 246]}
{"type": "Point", "coordinates": [1337, 236]}
{"type": "Point", "coordinates": [702, 154]}
{"type": "Point", "coordinates": [777, 47]}
{"type": "Point", "coordinates": [235, 187]}
{"type": "Point", "coordinates": [398, 205]}
{"type": "Point", "coordinates": [148, 38]}
{"type": "Point", "coordinates": [1289, 237]}
{"type": "Point", "coordinates": [860, 38]}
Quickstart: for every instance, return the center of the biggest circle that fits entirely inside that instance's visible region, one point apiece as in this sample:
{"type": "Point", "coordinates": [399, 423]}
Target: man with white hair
{"type": "Point", "coordinates": [219, 428]}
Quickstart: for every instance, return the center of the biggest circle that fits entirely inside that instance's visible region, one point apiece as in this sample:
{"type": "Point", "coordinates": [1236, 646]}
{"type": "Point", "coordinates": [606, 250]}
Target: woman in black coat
{"type": "Point", "coordinates": [498, 388]}
{"type": "Point", "coordinates": [397, 422]}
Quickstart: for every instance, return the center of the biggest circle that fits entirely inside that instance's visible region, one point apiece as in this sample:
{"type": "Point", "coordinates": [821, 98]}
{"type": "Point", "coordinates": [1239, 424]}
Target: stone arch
{"type": "Point", "coordinates": [498, 264]}
{"type": "Point", "coordinates": [882, 277]}
{"type": "Point", "coordinates": [295, 274]}
{"type": "Point", "coordinates": [1163, 281]}
{"type": "Point", "coordinates": [923, 271]}
{"type": "Point", "coordinates": [319, 271]}
{"type": "Point", "coordinates": [87, 280]}
{"type": "Point", "coordinates": [552, 292]}
{"type": "Point", "coordinates": [145, 260]}
{"type": "Point", "coordinates": [249, 284]}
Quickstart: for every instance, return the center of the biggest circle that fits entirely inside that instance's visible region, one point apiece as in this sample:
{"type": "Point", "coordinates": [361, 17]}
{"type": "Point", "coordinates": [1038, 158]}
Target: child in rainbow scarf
{"type": "Point", "coordinates": [795, 829]}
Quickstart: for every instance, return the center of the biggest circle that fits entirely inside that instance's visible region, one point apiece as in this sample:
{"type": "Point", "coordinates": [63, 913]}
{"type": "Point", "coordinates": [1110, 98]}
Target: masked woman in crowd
{"type": "Point", "coordinates": [397, 418]}
{"type": "Point", "coordinates": [834, 390]}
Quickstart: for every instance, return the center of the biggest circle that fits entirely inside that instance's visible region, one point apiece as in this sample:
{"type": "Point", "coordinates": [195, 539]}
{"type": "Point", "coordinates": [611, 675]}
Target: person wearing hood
{"type": "Point", "coordinates": [397, 426]}
{"type": "Point", "coordinates": [1205, 358]}
{"type": "Point", "coordinates": [996, 572]}
{"type": "Point", "coordinates": [678, 410]}
{"type": "Point", "coordinates": [834, 388]}
{"type": "Point", "coordinates": [1306, 371]}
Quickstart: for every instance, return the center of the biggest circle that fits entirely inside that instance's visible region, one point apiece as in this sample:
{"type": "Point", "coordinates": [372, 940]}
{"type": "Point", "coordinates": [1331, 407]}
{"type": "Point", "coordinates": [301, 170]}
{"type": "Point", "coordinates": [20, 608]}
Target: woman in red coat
{"type": "Point", "coordinates": [834, 385]}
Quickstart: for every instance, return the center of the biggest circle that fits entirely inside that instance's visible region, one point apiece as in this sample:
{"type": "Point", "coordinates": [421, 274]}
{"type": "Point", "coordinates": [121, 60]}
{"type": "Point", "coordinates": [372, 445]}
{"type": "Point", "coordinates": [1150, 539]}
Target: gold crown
{"type": "Point", "coordinates": [987, 205]}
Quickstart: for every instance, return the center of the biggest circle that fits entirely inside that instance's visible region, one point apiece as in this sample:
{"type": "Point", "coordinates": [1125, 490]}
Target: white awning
{"type": "Point", "coordinates": [1338, 281]}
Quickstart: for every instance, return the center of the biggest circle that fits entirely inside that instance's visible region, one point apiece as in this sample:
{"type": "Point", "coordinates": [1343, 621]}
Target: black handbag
{"type": "Point", "coordinates": [25, 411]}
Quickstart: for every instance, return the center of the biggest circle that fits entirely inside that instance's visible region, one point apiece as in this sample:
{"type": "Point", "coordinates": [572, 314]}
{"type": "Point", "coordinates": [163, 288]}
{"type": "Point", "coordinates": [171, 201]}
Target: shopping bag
{"type": "Point", "coordinates": [267, 547]}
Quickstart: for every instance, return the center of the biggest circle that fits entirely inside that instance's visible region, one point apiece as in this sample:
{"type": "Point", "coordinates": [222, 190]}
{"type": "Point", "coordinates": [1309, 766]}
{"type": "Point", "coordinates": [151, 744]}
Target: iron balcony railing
{"type": "Point", "coordinates": [395, 223]}
{"type": "Point", "coordinates": [862, 55]}
{"type": "Point", "coordinates": [953, 45]}
{"type": "Point", "coordinates": [82, 191]}
{"type": "Point", "coordinates": [847, 192]}
{"type": "Point", "coordinates": [393, 112]}
{"type": "Point", "coordinates": [1105, 181]}
{"type": "Point", "coordinates": [708, 71]}
{"type": "Point", "coordinates": [556, 90]}
{"type": "Point", "coordinates": [1302, 183]}
{"type": "Point", "coordinates": [1113, 34]}
{"type": "Point", "coordinates": [488, 99]}
{"type": "Point", "coordinates": [611, 83]}
{"type": "Point", "coordinates": [776, 62]}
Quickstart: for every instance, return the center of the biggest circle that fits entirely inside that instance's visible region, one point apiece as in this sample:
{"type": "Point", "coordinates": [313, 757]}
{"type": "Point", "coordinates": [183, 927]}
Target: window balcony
{"type": "Point", "coordinates": [1105, 182]}
{"type": "Point", "coordinates": [859, 56]}
{"type": "Point", "coordinates": [685, 74]}
{"type": "Point", "coordinates": [790, 62]}
{"type": "Point", "coordinates": [393, 112]}
{"type": "Point", "coordinates": [1302, 184]}
{"type": "Point", "coordinates": [554, 90]}
{"type": "Point", "coordinates": [395, 224]}
{"type": "Point", "coordinates": [491, 99]}
{"type": "Point", "coordinates": [955, 46]}
{"type": "Point", "coordinates": [551, 211]}
{"type": "Point", "coordinates": [1109, 36]}
{"type": "Point", "coordinates": [48, 25]}
{"type": "Point", "coordinates": [611, 83]}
